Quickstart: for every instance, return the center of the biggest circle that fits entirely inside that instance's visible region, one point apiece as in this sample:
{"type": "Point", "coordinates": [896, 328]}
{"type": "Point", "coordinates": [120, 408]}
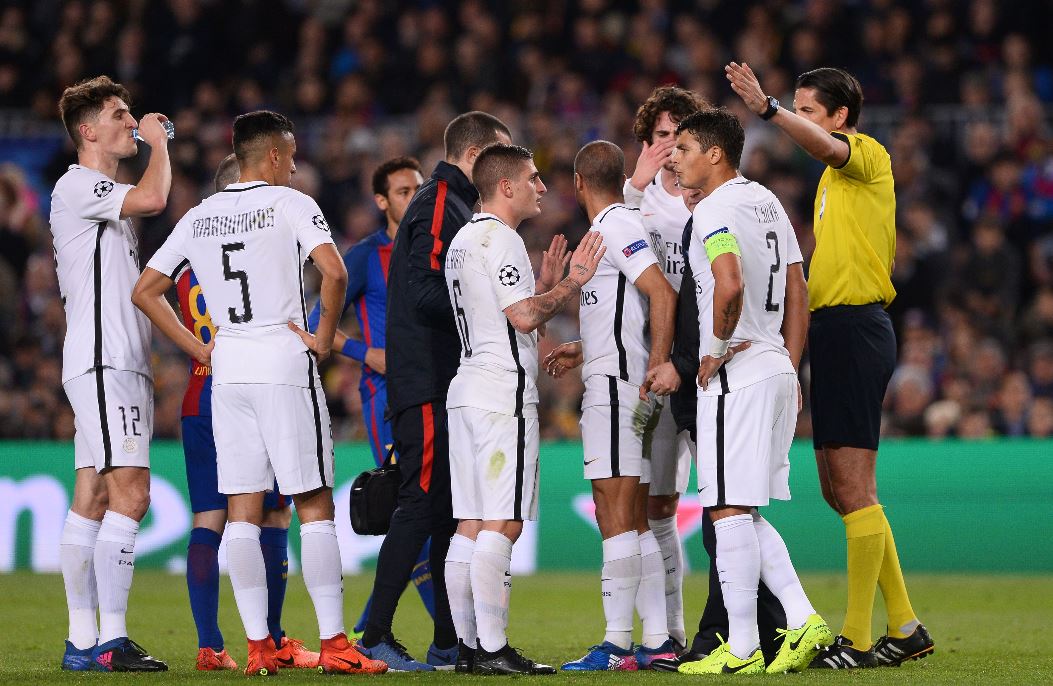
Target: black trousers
{"type": "Point", "coordinates": [770, 615]}
{"type": "Point", "coordinates": [425, 508]}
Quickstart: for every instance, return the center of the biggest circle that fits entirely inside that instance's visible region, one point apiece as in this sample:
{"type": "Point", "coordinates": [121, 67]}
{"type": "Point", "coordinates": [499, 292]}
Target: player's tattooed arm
{"type": "Point", "coordinates": [728, 289]}
{"type": "Point", "coordinates": [529, 313]}
{"type": "Point", "coordinates": [334, 283]}
{"type": "Point", "coordinates": [725, 321]}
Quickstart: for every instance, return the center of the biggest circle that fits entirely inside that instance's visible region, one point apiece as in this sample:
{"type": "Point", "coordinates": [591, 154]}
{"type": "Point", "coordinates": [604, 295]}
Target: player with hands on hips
{"type": "Point", "coordinates": [749, 287]}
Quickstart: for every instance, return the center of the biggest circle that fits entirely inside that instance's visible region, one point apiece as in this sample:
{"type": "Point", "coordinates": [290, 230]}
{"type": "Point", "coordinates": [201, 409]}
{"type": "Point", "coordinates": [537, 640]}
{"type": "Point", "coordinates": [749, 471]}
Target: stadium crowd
{"type": "Point", "coordinates": [960, 94]}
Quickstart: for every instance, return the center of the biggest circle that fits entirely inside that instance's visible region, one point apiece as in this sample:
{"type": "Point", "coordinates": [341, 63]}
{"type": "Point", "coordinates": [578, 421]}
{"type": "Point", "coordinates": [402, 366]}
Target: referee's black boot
{"type": "Point", "coordinates": [841, 655]}
{"type": "Point", "coordinates": [465, 658]}
{"type": "Point", "coordinates": [507, 661]}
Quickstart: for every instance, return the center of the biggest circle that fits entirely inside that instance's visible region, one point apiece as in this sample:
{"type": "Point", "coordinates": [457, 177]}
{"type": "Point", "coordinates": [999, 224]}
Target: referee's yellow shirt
{"type": "Point", "coordinates": [855, 229]}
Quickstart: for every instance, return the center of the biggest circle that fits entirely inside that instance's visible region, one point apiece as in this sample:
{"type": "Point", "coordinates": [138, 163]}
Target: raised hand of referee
{"type": "Point", "coordinates": [745, 83]}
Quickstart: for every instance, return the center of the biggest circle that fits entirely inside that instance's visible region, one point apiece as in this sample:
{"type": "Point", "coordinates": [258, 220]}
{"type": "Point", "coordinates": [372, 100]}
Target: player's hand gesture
{"type": "Point", "coordinates": [586, 258]}
{"type": "Point", "coordinates": [744, 82]}
{"type": "Point", "coordinates": [553, 263]}
{"type": "Point", "coordinates": [662, 380]}
{"type": "Point", "coordinates": [652, 159]}
{"type": "Point", "coordinates": [151, 130]}
{"type": "Point", "coordinates": [204, 353]}
{"type": "Point", "coordinates": [311, 341]}
{"type": "Point", "coordinates": [710, 365]}
{"type": "Point", "coordinates": [564, 357]}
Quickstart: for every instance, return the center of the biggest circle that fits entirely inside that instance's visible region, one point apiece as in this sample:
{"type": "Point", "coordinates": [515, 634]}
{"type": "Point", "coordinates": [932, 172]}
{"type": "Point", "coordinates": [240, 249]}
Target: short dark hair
{"type": "Point", "coordinates": [835, 88]}
{"type": "Point", "coordinates": [252, 127]}
{"type": "Point", "coordinates": [716, 126]}
{"type": "Point", "coordinates": [471, 128]}
{"type": "Point", "coordinates": [381, 184]}
{"type": "Point", "coordinates": [678, 102]}
{"type": "Point", "coordinates": [601, 165]}
{"type": "Point", "coordinates": [228, 172]}
{"type": "Point", "coordinates": [85, 100]}
{"type": "Point", "coordinates": [496, 162]}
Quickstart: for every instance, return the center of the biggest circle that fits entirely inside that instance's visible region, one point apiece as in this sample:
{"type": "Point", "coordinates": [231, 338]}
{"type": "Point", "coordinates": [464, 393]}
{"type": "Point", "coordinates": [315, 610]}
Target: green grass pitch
{"type": "Point", "coordinates": [988, 629]}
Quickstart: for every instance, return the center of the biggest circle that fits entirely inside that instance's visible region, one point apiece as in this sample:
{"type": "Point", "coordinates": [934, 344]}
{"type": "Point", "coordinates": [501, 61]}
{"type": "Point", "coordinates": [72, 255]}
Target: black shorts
{"type": "Point", "coordinates": [852, 349]}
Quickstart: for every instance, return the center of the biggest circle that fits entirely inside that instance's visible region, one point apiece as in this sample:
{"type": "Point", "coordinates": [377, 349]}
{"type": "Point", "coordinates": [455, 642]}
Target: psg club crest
{"type": "Point", "coordinates": [320, 222]}
{"type": "Point", "coordinates": [103, 188]}
{"type": "Point", "coordinates": [508, 276]}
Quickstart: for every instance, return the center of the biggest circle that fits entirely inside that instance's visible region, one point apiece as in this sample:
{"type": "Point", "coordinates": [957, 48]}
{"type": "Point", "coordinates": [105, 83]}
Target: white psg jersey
{"type": "Point", "coordinates": [97, 259]}
{"type": "Point", "coordinates": [488, 269]}
{"type": "Point", "coordinates": [755, 217]}
{"type": "Point", "coordinates": [665, 216]}
{"type": "Point", "coordinates": [247, 245]}
{"type": "Point", "coordinates": [613, 313]}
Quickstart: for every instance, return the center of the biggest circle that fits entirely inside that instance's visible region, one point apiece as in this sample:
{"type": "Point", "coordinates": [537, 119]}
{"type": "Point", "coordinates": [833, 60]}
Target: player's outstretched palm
{"type": "Point", "coordinates": [586, 258]}
{"type": "Point", "coordinates": [563, 358]}
{"type": "Point", "coordinates": [553, 263]}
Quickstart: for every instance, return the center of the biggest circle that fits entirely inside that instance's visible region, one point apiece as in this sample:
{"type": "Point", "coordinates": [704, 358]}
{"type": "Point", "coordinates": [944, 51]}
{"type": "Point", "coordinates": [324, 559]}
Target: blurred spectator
{"type": "Point", "coordinates": [1040, 419]}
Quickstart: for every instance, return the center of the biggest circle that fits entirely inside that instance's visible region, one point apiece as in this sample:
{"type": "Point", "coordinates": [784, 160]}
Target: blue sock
{"type": "Point", "coordinates": [360, 625]}
{"type": "Point", "coordinates": [275, 544]}
{"type": "Point", "coordinates": [421, 578]}
{"type": "Point", "coordinates": [202, 581]}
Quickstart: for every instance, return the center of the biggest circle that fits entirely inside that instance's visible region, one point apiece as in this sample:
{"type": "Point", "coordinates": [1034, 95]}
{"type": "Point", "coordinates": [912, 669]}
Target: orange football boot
{"type": "Point", "coordinates": [294, 655]}
{"type": "Point", "coordinates": [340, 656]}
{"type": "Point", "coordinates": [208, 660]}
{"type": "Point", "coordinates": [263, 658]}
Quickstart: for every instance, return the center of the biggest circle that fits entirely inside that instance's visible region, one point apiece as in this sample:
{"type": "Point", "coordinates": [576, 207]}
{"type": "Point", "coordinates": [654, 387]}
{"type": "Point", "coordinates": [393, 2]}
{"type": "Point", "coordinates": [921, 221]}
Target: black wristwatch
{"type": "Point", "coordinates": [773, 107]}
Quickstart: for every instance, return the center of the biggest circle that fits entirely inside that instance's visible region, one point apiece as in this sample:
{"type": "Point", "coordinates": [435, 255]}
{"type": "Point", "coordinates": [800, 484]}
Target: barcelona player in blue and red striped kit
{"type": "Point", "coordinates": [394, 183]}
{"type": "Point", "coordinates": [210, 506]}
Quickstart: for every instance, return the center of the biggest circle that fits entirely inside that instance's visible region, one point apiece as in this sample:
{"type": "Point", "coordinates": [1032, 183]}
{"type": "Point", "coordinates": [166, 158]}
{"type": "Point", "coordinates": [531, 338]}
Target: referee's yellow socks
{"type": "Point", "coordinates": [865, 533]}
{"type": "Point", "coordinates": [901, 618]}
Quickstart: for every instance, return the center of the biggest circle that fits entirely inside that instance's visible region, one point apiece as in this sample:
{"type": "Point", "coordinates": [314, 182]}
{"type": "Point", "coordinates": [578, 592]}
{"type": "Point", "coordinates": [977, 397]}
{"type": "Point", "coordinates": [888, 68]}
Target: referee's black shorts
{"type": "Point", "coordinates": [852, 349]}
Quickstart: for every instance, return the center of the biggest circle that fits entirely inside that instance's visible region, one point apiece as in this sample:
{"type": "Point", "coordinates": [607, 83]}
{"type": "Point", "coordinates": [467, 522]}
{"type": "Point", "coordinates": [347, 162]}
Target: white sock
{"type": "Point", "coordinates": [76, 555]}
{"type": "Point", "coordinates": [114, 563]}
{"type": "Point", "coordinates": [738, 563]}
{"type": "Point", "coordinates": [323, 575]}
{"type": "Point", "coordinates": [778, 574]}
{"type": "Point", "coordinates": [248, 576]}
{"type": "Point", "coordinates": [459, 587]}
{"type": "Point", "coordinates": [619, 581]}
{"type": "Point", "coordinates": [668, 537]}
{"type": "Point", "coordinates": [491, 588]}
{"type": "Point", "coordinates": [650, 596]}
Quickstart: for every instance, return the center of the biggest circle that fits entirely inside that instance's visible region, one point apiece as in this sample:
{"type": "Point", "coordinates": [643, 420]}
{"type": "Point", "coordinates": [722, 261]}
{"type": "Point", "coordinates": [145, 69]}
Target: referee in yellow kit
{"type": "Point", "coordinates": [853, 347]}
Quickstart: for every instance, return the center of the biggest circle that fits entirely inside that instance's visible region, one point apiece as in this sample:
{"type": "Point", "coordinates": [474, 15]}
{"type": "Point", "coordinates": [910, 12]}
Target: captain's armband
{"type": "Point", "coordinates": [720, 242]}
